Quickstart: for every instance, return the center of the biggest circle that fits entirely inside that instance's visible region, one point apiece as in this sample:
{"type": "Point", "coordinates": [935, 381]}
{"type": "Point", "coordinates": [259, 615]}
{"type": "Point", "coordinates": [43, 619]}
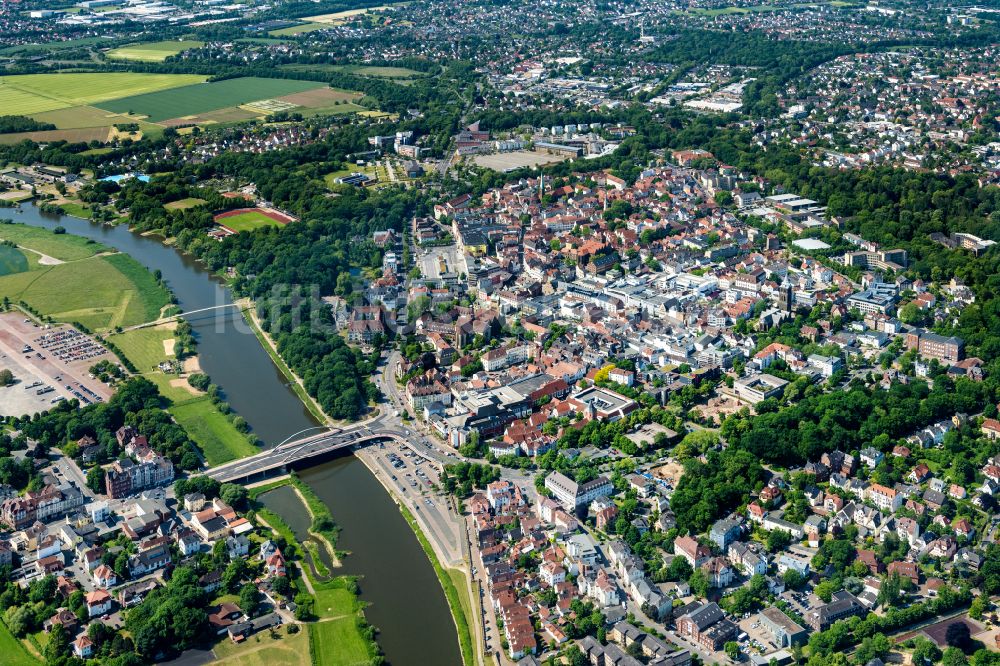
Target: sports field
{"type": "Point", "coordinates": [248, 219]}
{"type": "Point", "coordinates": [201, 98]}
{"type": "Point", "coordinates": [153, 51]}
{"type": "Point", "coordinates": [37, 93]}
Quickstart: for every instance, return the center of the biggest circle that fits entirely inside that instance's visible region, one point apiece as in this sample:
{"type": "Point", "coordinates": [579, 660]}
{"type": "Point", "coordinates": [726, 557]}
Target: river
{"type": "Point", "coordinates": [407, 603]}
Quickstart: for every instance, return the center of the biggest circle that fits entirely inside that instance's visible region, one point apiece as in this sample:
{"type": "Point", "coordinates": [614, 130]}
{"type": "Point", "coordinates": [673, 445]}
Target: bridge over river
{"type": "Point", "coordinates": [279, 458]}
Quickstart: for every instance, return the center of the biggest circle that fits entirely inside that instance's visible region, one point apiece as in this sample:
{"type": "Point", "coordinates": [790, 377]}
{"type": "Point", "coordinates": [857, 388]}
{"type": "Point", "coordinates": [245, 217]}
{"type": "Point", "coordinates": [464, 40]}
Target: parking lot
{"type": "Point", "coordinates": [49, 363]}
{"type": "Point", "coordinates": [441, 261]}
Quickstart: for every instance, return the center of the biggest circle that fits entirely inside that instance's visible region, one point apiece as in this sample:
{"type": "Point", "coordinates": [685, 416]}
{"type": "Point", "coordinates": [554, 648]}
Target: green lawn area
{"type": "Point", "coordinates": [218, 439]}
{"type": "Point", "coordinates": [99, 292]}
{"type": "Point", "coordinates": [300, 29]}
{"type": "Point", "coordinates": [248, 221]}
{"type": "Point", "coordinates": [14, 653]}
{"type": "Point", "coordinates": [144, 346]}
{"type": "Point", "coordinates": [201, 98]}
{"type": "Point", "coordinates": [338, 643]}
{"type": "Point", "coordinates": [370, 171]}
{"type": "Point", "coordinates": [36, 93]}
{"type": "Point", "coordinates": [64, 247]}
{"type": "Point", "coordinates": [12, 260]}
{"type": "Point", "coordinates": [76, 210]}
{"type": "Point", "coordinates": [153, 51]}
{"type": "Point", "coordinates": [262, 650]}
{"type": "Point", "coordinates": [334, 601]}
{"type": "Point", "coordinates": [183, 204]}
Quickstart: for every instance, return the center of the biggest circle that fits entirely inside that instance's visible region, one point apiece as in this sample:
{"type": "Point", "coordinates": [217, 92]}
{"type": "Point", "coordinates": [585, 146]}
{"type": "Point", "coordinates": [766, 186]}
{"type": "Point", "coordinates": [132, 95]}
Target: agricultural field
{"type": "Point", "coordinates": [338, 18]}
{"type": "Point", "coordinates": [192, 100]}
{"type": "Point", "coordinates": [379, 72]}
{"type": "Point", "coordinates": [323, 100]}
{"type": "Point", "coordinates": [100, 292]}
{"type": "Point", "coordinates": [301, 29]}
{"type": "Point", "coordinates": [371, 71]}
{"type": "Point", "coordinates": [81, 135]}
{"type": "Point", "coordinates": [78, 117]}
{"type": "Point", "coordinates": [230, 114]}
{"type": "Point", "coordinates": [54, 47]}
{"type": "Point", "coordinates": [38, 93]}
{"type": "Point", "coordinates": [153, 51]}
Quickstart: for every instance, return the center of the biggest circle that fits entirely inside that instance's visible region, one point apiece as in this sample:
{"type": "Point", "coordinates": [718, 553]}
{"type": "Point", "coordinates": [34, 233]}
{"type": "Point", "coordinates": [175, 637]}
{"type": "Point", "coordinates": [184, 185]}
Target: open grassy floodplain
{"type": "Point", "coordinates": [38, 93]}
{"type": "Point", "coordinates": [201, 98]}
{"type": "Point", "coordinates": [153, 51]}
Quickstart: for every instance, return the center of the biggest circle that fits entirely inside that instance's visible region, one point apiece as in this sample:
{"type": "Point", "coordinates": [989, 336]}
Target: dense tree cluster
{"type": "Point", "coordinates": [136, 403]}
{"type": "Point", "coordinates": [707, 491]}
{"type": "Point", "coordinates": [850, 419]}
{"type": "Point", "coordinates": [11, 124]}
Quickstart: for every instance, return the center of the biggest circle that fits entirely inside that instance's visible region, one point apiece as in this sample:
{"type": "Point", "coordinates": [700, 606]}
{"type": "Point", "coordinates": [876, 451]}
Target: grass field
{"type": "Point", "coordinates": [184, 204]}
{"type": "Point", "coordinates": [218, 439]}
{"type": "Point", "coordinates": [12, 260]}
{"type": "Point", "coordinates": [333, 601]}
{"type": "Point", "coordinates": [262, 650]}
{"type": "Point", "coordinates": [195, 99]}
{"type": "Point", "coordinates": [76, 210]}
{"type": "Point", "coordinates": [300, 29]}
{"type": "Point", "coordinates": [144, 346]}
{"type": "Point", "coordinates": [14, 653]}
{"type": "Point", "coordinates": [99, 292]}
{"type": "Point", "coordinates": [64, 247]}
{"type": "Point", "coordinates": [248, 221]}
{"type": "Point", "coordinates": [153, 51]}
{"type": "Point", "coordinates": [338, 643]}
{"type": "Point", "coordinates": [37, 93]}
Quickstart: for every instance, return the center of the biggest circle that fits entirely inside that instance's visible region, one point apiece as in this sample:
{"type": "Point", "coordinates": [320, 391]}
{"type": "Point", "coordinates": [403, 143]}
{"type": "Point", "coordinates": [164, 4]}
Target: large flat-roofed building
{"type": "Point", "coordinates": [786, 631]}
{"type": "Point", "coordinates": [878, 298]}
{"type": "Point", "coordinates": [600, 403]}
{"type": "Point", "coordinates": [931, 345]}
{"type": "Point", "coordinates": [884, 259]}
{"type": "Point", "coordinates": [571, 494]}
{"type": "Point", "coordinates": [755, 388]}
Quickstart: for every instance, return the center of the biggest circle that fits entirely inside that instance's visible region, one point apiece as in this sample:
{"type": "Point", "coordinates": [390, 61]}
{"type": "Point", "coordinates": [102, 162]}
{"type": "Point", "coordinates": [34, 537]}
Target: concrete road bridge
{"type": "Point", "coordinates": [284, 456]}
